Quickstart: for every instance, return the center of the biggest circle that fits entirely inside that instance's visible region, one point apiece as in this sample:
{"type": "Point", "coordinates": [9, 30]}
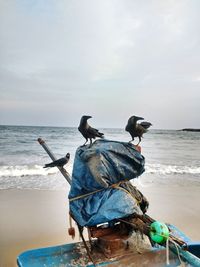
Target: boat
{"type": "Point", "coordinates": [74, 254]}
{"type": "Point", "coordinates": [134, 239]}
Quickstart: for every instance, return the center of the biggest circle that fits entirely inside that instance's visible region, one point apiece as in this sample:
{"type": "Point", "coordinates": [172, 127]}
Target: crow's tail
{"type": "Point", "coordinates": [49, 165]}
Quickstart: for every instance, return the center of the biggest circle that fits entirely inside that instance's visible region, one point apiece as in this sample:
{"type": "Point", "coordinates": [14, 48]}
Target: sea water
{"type": "Point", "coordinates": [171, 156]}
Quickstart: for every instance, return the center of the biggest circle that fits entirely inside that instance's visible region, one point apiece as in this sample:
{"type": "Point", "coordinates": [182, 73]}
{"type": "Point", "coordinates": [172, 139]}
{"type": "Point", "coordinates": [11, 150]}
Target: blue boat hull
{"type": "Point", "coordinates": [74, 254]}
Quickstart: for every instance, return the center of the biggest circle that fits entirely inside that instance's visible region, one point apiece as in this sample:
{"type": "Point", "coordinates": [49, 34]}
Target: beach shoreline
{"type": "Point", "coordinates": [39, 218]}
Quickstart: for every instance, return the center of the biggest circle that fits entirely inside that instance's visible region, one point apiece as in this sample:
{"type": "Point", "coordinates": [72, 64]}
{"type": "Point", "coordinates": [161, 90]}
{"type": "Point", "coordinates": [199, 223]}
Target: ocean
{"type": "Point", "coordinates": [171, 156]}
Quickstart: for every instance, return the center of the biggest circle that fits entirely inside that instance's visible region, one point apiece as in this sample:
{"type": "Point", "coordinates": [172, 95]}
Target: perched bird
{"type": "Point", "coordinates": [87, 131]}
{"type": "Point", "coordinates": [137, 129]}
{"type": "Point", "coordinates": [132, 125]}
{"type": "Point", "coordinates": [59, 162]}
{"type": "Point", "coordinates": [140, 130]}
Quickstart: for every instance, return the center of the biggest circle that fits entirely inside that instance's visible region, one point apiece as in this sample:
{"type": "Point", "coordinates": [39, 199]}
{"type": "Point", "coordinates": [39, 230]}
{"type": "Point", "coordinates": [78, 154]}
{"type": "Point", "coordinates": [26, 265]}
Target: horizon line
{"type": "Point", "coordinates": [102, 127]}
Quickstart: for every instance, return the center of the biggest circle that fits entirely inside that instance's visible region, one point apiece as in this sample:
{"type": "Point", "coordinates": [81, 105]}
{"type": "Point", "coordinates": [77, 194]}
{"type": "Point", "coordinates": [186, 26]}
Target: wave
{"type": "Point", "coordinates": [37, 170]}
{"type": "Point", "coordinates": [28, 170]}
{"type": "Point", "coordinates": [171, 169]}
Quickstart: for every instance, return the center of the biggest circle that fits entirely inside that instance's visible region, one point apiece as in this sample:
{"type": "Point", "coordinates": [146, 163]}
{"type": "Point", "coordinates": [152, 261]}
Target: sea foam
{"type": "Point", "coordinates": [171, 169]}
{"type": "Point", "coordinates": [37, 170]}
{"type": "Point", "coordinates": [27, 170]}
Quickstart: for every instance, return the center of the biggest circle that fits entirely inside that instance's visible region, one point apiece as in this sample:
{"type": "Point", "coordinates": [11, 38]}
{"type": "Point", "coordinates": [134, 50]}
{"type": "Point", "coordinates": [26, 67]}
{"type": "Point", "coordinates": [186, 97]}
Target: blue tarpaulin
{"type": "Point", "coordinates": [100, 190]}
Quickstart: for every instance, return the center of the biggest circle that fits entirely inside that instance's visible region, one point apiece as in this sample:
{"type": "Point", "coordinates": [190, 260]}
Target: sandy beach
{"type": "Point", "coordinates": [37, 218]}
{"type": "Point", "coordinates": [31, 219]}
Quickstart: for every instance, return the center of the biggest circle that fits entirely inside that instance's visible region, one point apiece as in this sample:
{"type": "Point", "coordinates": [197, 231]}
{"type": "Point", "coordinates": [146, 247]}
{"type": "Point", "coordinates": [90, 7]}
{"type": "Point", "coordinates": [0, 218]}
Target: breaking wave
{"type": "Point", "coordinates": [37, 170]}
{"type": "Point", "coordinates": [171, 169]}
{"type": "Point", "coordinates": [36, 177]}
{"type": "Point", "coordinates": [28, 170]}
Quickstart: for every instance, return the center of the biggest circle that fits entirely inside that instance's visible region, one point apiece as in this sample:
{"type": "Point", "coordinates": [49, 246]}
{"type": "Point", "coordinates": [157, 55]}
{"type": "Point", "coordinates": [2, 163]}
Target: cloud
{"type": "Point", "coordinates": [108, 58]}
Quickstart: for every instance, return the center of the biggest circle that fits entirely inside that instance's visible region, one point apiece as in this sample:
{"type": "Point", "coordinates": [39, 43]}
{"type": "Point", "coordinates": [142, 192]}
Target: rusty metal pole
{"type": "Point", "coordinates": [51, 155]}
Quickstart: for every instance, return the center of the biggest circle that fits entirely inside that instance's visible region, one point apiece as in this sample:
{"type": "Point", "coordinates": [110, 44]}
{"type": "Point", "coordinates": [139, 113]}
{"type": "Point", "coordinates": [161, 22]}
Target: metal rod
{"type": "Point", "coordinates": [85, 244]}
{"type": "Point", "coordinates": [51, 155]}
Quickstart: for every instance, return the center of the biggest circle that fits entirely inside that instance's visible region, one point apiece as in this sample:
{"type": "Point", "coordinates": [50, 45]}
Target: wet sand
{"type": "Point", "coordinates": [32, 218]}
{"type": "Point", "coordinates": [176, 205]}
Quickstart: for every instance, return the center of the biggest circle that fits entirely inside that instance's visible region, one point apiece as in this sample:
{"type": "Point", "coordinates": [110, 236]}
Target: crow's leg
{"type": "Point", "coordinates": [139, 140]}
{"type": "Point", "coordinates": [130, 142]}
{"type": "Point", "coordinates": [90, 142]}
{"type": "Point", "coordinates": [85, 142]}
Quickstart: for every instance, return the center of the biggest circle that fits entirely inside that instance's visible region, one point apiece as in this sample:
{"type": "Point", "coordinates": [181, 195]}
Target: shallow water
{"type": "Point", "coordinates": [171, 156]}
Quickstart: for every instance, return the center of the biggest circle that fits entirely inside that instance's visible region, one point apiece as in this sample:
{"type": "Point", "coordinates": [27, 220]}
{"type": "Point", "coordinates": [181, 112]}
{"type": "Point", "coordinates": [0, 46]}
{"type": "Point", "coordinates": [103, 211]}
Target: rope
{"type": "Point", "coordinates": [99, 190]}
{"type": "Point", "coordinates": [178, 253]}
{"type": "Point", "coordinates": [167, 251]}
{"type": "Point", "coordinates": [85, 195]}
{"type": "Point", "coordinates": [70, 220]}
{"type": "Point", "coordinates": [123, 189]}
{"type": "Point", "coordinates": [170, 239]}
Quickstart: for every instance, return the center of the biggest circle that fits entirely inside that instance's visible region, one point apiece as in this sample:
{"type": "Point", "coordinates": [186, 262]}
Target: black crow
{"type": "Point", "coordinates": [59, 162]}
{"type": "Point", "coordinates": [87, 131]}
{"type": "Point", "coordinates": [137, 129]}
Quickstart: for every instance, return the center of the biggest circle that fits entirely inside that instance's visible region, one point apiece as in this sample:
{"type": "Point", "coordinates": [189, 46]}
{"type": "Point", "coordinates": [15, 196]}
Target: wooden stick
{"type": "Point", "coordinates": [147, 220]}
{"type": "Point", "coordinates": [67, 177]}
{"type": "Point", "coordinates": [85, 244]}
{"type": "Point", "coordinates": [51, 155]}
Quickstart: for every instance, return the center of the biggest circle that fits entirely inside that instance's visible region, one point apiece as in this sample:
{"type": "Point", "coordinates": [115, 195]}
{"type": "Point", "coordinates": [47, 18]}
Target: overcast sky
{"type": "Point", "coordinates": [60, 59]}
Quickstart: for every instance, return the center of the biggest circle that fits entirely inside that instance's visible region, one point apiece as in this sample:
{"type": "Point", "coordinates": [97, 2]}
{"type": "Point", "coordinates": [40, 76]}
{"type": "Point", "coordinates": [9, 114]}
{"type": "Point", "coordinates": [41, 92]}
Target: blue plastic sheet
{"type": "Point", "coordinates": [96, 169]}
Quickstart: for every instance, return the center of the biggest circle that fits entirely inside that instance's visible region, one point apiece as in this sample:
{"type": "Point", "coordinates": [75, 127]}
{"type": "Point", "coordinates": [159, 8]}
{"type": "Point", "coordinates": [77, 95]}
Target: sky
{"type": "Point", "coordinates": [110, 59]}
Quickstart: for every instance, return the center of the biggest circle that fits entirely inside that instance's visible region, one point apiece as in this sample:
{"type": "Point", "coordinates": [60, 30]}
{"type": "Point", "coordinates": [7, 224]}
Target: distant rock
{"type": "Point", "coordinates": [190, 130]}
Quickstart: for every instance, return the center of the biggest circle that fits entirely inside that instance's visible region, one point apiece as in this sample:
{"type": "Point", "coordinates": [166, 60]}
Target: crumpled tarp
{"type": "Point", "coordinates": [97, 168]}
